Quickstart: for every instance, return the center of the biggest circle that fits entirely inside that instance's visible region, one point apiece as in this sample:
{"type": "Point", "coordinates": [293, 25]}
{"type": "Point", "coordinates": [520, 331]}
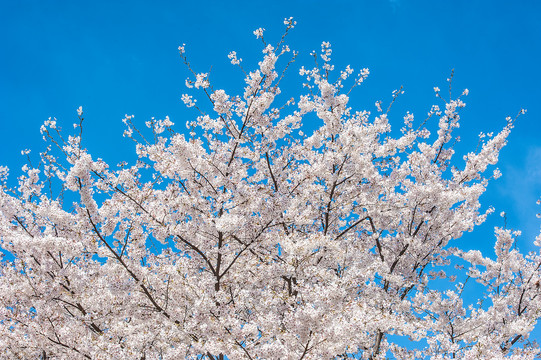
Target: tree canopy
{"type": "Point", "coordinates": [247, 238]}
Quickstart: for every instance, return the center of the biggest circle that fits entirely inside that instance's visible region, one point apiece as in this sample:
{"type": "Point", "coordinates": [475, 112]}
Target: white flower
{"type": "Point", "coordinates": [188, 100]}
{"type": "Point", "coordinates": [289, 22]}
{"type": "Point", "coordinates": [363, 74]}
{"type": "Point", "coordinates": [259, 32]}
{"type": "Point", "coordinates": [4, 172]}
{"type": "Point", "coordinates": [233, 57]}
{"type": "Point", "coordinates": [201, 81]}
{"type": "Point", "coordinates": [378, 106]}
{"type": "Point", "coordinates": [167, 122]}
{"type": "Point", "coordinates": [80, 110]}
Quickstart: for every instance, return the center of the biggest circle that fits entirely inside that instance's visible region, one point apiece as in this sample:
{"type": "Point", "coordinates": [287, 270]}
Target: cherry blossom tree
{"type": "Point", "coordinates": [245, 238]}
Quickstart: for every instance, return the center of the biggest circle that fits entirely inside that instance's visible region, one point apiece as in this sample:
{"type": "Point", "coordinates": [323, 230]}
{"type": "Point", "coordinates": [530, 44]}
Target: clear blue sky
{"type": "Point", "coordinates": [118, 57]}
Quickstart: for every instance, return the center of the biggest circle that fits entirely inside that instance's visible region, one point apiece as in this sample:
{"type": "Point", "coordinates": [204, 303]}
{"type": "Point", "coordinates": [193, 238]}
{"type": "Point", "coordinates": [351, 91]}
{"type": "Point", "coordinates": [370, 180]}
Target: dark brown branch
{"type": "Point", "coordinates": [270, 170]}
{"type": "Point", "coordinates": [355, 224]}
{"type": "Point", "coordinates": [58, 342]}
{"type": "Point", "coordinates": [119, 259]}
{"type": "Point", "coordinates": [377, 345]}
{"type": "Point", "coordinates": [306, 348]}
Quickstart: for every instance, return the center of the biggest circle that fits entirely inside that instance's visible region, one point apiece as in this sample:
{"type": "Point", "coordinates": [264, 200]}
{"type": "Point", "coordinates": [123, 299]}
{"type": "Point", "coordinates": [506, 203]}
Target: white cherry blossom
{"type": "Point", "coordinates": [259, 236]}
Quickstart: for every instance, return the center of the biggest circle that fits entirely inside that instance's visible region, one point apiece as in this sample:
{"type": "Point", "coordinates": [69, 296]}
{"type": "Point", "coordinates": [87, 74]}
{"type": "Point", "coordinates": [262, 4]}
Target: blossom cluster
{"type": "Point", "coordinates": [254, 237]}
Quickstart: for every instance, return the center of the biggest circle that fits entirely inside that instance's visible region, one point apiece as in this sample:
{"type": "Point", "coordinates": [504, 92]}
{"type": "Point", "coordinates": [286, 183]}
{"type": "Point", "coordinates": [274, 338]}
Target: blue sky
{"type": "Point", "coordinates": [120, 57]}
